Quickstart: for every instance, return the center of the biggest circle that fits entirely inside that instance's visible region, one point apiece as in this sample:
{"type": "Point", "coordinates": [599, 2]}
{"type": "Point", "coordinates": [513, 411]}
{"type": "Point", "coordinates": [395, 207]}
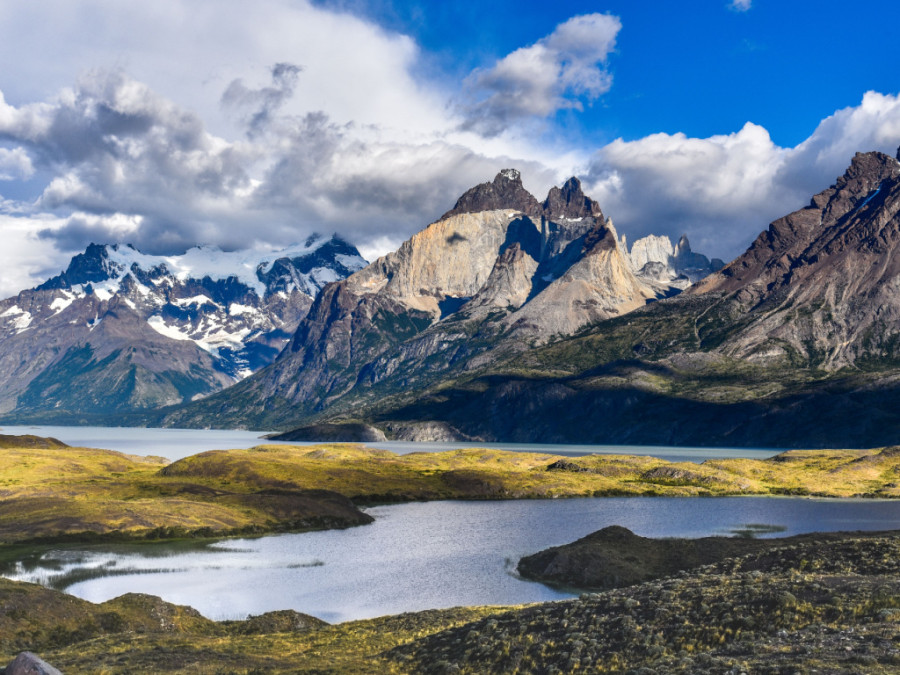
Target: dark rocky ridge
{"type": "Point", "coordinates": [820, 282]}
{"type": "Point", "coordinates": [615, 557]}
{"type": "Point", "coordinates": [504, 192]}
{"type": "Point", "coordinates": [569, 201]}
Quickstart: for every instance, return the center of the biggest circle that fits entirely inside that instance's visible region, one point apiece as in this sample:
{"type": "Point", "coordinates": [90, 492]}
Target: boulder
{"type": "Point", "coordinates": [27, 663]}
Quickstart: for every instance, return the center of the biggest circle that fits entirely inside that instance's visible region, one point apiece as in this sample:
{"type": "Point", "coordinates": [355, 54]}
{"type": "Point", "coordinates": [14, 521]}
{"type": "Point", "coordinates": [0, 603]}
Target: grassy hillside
{"type": "Point", "coordinates": [59, 492]}
{"type": "Point", "coordinates": [367, 475]}
{"type": "Point", "coordinates": [81, 493]}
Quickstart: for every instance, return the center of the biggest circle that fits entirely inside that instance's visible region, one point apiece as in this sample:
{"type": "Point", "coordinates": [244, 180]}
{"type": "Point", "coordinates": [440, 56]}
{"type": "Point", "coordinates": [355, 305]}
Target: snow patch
{"type": "Point", "coordinates": [59, 304]}
{"type": "Point", "coordinates": [23, 319]}
{"type": "Point", "coordinates": [12, 311]}
{"type": "Point", "coordinates": [323, 275]}
{"type": "Point", "coordinates": [173, 332]}
{"type": "Point", "coordinates": [236, 309]}
{"type": "Point", "coordinates": [196, 300]}
{"type": "Point", "coordinates": [23, 322]}
{"type": "Point", "coordinates": [351, 262]}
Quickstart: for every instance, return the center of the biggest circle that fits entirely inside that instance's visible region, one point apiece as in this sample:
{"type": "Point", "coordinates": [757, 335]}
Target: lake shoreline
{"type": "Point", "coordinates": [727, 615]}
{"type": "Point", "coordinates": [56, 493]}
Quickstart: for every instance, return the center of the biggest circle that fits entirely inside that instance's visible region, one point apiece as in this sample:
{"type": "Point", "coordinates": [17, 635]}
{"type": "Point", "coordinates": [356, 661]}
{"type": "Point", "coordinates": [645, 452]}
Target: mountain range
{"type": "Point", "coordinates": [519, 320]}
{"type": "Point", "coordinates": [120, 331]}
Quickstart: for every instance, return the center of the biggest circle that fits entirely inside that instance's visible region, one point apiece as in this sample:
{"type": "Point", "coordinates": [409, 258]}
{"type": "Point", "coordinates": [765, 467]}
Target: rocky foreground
{"type": "Point", "coordinates": [817, 606]}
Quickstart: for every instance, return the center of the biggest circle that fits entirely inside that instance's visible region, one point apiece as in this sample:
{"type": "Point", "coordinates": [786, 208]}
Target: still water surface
{"type": "Point", "coordinates": [416, 556]}
{"type": "Point", "coordinates": [178, 443]}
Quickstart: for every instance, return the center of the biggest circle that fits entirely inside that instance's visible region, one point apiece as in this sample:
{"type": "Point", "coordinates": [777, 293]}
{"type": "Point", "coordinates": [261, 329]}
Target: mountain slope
{"type": "Point", "coordinates": [792, 345]}
{"type": "Point", "coordinates": [821, 284]}
{"type": "Point", "coordinates": [119, 331]}
{"type": "Point", "coordinates": [498, 273]}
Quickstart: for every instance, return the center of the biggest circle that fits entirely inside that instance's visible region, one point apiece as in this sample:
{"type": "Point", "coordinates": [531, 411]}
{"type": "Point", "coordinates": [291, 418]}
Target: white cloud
{"type": "Point", "coordinates": [872, 125]}
{"type": "Point", "coordinates": [353, 70]}
{"type": "Point", "coordinates": [741, 5]}
{"type": "Point", "coordinates": [724, 190]}
{"type": "Point", "coordinates": [25, 259]}
{"type": "Point", "coordinates": [118, 152]}
{"type": "Point", "coordinates": [563, 70]}
{"type": "Point", "coordinates": [712, 188]}
{"type": "Point", "coordinates": [15, 164]}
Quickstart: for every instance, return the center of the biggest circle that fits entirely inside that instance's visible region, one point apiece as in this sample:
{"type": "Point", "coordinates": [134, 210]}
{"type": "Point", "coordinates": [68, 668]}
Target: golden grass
{"type": "Point", "coordinates": [49, 492]}
{"type": "Point", "coordinates": [366, 474]}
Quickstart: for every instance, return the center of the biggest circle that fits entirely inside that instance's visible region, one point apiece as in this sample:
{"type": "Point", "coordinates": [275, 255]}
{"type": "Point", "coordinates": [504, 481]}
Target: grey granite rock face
{"type": "Point", "coordinates": [27, 663]}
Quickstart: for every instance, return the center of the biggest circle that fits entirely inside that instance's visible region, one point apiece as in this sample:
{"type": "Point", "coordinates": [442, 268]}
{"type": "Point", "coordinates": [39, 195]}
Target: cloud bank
{"type": "Point", "coordinates": [191, 145]}
{"type": "Point", "coordinates": [723, 190]}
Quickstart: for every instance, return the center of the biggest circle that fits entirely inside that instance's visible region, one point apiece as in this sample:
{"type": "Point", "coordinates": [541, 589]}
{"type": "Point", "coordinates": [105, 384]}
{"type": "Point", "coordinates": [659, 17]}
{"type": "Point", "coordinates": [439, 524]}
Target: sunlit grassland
{"type": "Point", "coordinates": [366, 475]}
{"type": "Point", "coordinates": [59, 492]}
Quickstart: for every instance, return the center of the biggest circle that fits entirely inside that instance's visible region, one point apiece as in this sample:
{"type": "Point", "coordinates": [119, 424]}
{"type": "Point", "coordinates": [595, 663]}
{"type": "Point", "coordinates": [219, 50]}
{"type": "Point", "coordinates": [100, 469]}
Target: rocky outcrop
{"type": "Point", "coordinates": [505, 192]}
{"type": "Point", "coordinates": [27, 663]}
{"type": "Point", "coordinates": [570, 202]}
{"type": "Point", "coordinates": [599, 285]}
{"type": "Point", "coordinates": [656, 261]}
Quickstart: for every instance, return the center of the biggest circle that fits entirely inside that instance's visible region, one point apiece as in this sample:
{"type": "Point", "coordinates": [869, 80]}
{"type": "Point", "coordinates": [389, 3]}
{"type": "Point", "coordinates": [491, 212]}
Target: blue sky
{"type": "Point", "coordinates": [179, 122]}
{"type": "Point", "coordinates": [701, 67]}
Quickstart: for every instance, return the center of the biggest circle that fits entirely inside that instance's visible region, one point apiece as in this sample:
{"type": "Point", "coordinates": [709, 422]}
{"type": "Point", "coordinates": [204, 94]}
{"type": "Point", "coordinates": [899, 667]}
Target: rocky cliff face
{"type": "Point", "coordinates": [655, 261]}
{"type": "Point", "coordinates": [795, 344]}
{"type": "Point", "coordinates": [120, 330]}
{"type": "Point", "coordinates": [496, 273]}
{"type": "Point", "coordinates": [821, 284]}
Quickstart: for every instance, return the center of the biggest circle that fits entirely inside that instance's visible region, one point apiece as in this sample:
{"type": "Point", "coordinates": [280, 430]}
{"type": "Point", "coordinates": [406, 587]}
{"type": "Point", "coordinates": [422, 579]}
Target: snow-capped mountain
{"type": "Point", "coordinates": [171, 328]}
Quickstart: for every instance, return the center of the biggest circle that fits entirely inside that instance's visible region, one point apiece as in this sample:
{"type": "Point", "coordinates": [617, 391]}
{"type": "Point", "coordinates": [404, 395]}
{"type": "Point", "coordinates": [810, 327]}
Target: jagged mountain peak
{"type": "Point", "coordinates": [836, 218]}
{"type": "Point", "coordinates": [308, 266]}
{"type": "Point", "coordinates": [504, 192]}
{"type": "Point", "coordinates": [569, 201]}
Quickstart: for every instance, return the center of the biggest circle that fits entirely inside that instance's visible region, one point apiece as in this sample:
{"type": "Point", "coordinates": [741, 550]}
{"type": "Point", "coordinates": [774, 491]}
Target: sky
{"type": "Point", "coordinates": [174, 123]}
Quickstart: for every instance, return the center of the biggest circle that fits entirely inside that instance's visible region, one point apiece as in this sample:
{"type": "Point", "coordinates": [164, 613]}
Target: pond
{"type": "Point", "coordinates": [417, 556]}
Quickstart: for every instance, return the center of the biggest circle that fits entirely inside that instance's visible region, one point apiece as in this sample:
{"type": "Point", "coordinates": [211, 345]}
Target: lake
{"type": "Point", "coordinates": [178, 443]}
{"type": "Point", "coordinates": [416, 556]}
